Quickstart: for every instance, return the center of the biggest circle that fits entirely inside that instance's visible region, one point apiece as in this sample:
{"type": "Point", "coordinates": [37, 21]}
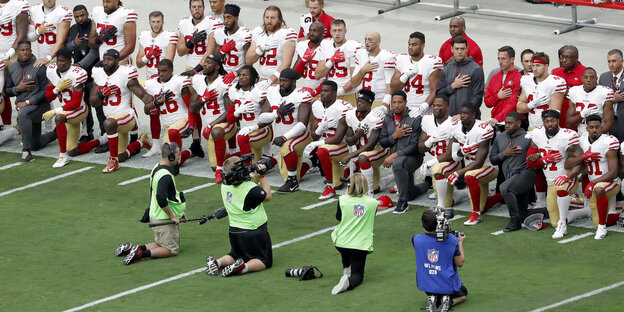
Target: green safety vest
{"type": "Point", "coordinates": [234, 200]}
{"type": "Point", "coordinates": [355, 231]}
{"type": "Point", "coordinates": [177, 207]}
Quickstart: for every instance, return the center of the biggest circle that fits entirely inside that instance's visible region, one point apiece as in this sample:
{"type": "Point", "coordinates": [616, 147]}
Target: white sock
{"type": "Point", "coordinates": [156, 143]}
{"type": "Point", "coordinates": [103, 139]}
{"type": "Point", "coordinates": [64, 155]}
{"type": "Point", "coordinates": [458, 195]}
{"type": "Point", "coordinates": [347, 271]}
{"type": "Point", "coordinates": [579, 213]}
{"type": "Point", "coordinates": [245, 269]}
{"type": "Point", "coordinates": [368, 174]}
{"type": "Point", "coordinates": [441, 189]}
{"type": "Point", "coordinates": [218, 263]}
{"type": "Point", "coordinates": [540, 199]}
{"type": "Point", "coordinates": [292, 173]}
{"type": "Point", "coordinates": [564, 205]}
{"type": "Point", "coordinates": [220, 168]}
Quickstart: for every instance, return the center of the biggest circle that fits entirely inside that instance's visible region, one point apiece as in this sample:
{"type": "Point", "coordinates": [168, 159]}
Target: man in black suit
{"type": "Point", "coordinates": [613, 79]}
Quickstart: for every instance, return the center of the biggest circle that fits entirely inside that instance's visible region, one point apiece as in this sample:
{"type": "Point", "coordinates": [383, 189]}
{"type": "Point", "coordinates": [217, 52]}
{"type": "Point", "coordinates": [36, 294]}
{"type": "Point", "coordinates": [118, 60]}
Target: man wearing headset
{"type": "Point", "coordinates": [166, 205]}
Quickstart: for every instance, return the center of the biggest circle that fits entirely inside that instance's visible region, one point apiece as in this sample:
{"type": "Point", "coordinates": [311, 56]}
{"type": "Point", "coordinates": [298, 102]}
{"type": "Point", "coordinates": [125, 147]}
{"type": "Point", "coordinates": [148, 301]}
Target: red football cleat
{"type": "Point", "coordinates": [218, 176]}
{"type": "Point", "coordinates": [328, 193]}
{"type": "Point", "coordinates": [474, 218]}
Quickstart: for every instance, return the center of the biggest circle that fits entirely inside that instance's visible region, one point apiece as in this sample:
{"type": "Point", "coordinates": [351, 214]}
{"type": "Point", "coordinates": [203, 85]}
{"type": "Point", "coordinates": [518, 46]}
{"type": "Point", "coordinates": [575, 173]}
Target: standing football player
{"type": "Point", "coordinates": [232, 41]}
{"type": "Point", "coordinates": [51, 28]}
{"type": "Point", "coordinates": [272, 45]}
{"type": "Point", "coordinates": [66, 83]}
{"type": "Point", "coordinates": [114, 27]}
{"type": "Point", "coordinates": [337, 59]}
{"type": "Point", "coordinates": [590, 99]}
{"type": "Point", "coordinates": [154, 46]}
{"type": "Point", "coordinates": [417, 74]}
{"type": "Point", "coordinates": [309, 54]}
{"type": "Point", "coordinates": [194, 31]}
{"type": "Point", "coordinates": [115, 86]}
{"type": "Point", "coordinates": [558, 152]}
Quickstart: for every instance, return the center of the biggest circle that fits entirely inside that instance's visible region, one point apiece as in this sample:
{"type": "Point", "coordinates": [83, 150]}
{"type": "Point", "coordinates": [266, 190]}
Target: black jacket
{"type": "Point", "coordinates": [514, 164]}
{"type": "Point", "coordinates": [18, 71]}
{"type": "Point", "coordinates": [405, 146]}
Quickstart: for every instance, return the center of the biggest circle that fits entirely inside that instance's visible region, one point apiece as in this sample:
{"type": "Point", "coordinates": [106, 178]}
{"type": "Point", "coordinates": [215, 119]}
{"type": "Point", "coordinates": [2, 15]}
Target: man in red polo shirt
{"type": "Point", "coordinates": [504, 87]}
{"type": "Point", "coordinates": [457, 27]}
{"type": "Point", "coordinates": [571, 71]}
{"type": "Point", "coordinates": [316, 14]}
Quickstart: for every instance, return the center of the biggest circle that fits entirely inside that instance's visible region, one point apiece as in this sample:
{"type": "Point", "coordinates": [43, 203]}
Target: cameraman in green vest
{"type": "Point", "coordinates": [250, 242]}
{"type": "Point", "coordinates": [166, 205]}
{"type": "Point", "coordinates": [353, 237]}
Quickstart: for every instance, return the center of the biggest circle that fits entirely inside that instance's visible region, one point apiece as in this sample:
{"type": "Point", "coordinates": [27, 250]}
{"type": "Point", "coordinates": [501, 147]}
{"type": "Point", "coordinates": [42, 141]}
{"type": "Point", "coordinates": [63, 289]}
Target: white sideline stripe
{"type": "Point", "coordinates": [44, 181]}
{"type": "Point", "coordinates": [10, 165]}
{"type": "Point", "coordinates": [134, 180]}
{"type": "Point", "coordinates": [579, 297]}
{"type": "Point", "coordinates": [575, 237]}
{"type": "Point", "coordinates": [498, 232]}
{"type": "Point", "coordinates": [199, 187]}
{"type": "Point", "coordinates": [319, 204]}
{"type": "Point", "coordinates": [189, 273]}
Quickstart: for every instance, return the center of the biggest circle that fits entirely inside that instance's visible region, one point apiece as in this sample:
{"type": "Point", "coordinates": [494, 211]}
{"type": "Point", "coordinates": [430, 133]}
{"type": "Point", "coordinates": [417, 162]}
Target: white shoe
{"type": "Point", "coordinates": [601, 232]}
{"type": "Point", "coordinates": [341, 286]}
{"type": "Point", "coordinates": [155, 150]}
{"type": "Point", "coordinates": [61, 161]}
{"type": "Point", "coordinates": [433, 196]}
{"type": "Point", "coordinates": [562, 229]}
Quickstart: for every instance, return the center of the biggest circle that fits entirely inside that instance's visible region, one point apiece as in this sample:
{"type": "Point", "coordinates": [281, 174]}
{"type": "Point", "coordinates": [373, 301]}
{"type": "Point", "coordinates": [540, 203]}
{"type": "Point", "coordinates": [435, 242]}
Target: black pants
{"type": "Point", "coordinates": [403, 168]}
{"type": "Point", "coordinates": [29, 121]}
{"type": "Point", "coordinates": [515, 191]}
{"type": "Point", "coordinates": [98, 110]}
{"type": "Point", "coordinates": [356, 259]}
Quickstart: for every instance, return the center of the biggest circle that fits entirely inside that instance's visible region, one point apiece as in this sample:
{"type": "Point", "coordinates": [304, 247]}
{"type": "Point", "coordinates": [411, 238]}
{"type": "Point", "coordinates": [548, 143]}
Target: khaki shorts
{"type": "Point", "coordinates": [167, 236]}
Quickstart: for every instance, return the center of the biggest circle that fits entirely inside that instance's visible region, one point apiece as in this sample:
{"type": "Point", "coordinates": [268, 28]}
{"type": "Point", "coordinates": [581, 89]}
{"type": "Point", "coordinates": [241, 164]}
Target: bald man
{"type": "Point", "coordinates": [457, 27]}
{"type": "Point", "coordinates": [374, 68]}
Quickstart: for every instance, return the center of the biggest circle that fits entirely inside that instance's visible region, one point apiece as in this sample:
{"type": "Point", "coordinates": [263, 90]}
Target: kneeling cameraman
{"type": "Point", "coordinates": [251, 248]}
{"type": "Point", "coordinates": [436, 265]}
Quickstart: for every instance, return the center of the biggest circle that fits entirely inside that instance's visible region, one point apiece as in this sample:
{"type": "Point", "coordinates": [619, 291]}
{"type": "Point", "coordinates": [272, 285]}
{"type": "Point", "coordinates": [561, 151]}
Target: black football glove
{"type": "Point", "coordinates": [192, 72]}
{"type": "Point", "coordinates": [106, 34]}
{"type": "Point", "coordinates": [279, 141]}
{"type": "Point", "coordinates": [198, 36]}
{"type": "Point", "coordinates": [163, 97]}
{"type": "Point", "coordinates": [286, 109]}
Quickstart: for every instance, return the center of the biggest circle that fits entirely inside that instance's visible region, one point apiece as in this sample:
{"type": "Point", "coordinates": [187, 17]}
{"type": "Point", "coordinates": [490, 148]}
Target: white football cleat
{"type": "Point", "coordinates": [601, 232]}
{"type": "Point", "coordinates": [155, 150]}
{"type": "Point", "coordinates": [562, 229]}
{"type": "Point", "coordinates": [61, 161]}
{"type": "Point", "coordinates": [342, 285]}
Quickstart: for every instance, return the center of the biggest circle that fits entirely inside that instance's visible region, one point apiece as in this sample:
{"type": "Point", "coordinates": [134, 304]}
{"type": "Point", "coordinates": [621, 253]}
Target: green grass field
{"type": "Point", "coordinates": [59, 239]}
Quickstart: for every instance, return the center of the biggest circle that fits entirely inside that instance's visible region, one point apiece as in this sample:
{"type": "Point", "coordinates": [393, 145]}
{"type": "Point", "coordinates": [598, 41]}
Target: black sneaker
{"type": "Point", "coordinates": [196, 149]}
{"type": "Point", "coordinates": [289, 186]}
{"type": "Point", "coordinates": [133, 256]}
{"type": "Point", "coordinates": [86, 138]}
{"type": "Point", "coordinates": [26, 157]}
{"type": "Point", "coordinates": [123, 249]}
{"type": "Point", "coordinates": [212, 268]}
{"type": "Point", "coordinates": [102, 148]}
{"type": "Point", "coordinates": [235, 268]}
{"type": "Point", "coordinates": [401, 208]}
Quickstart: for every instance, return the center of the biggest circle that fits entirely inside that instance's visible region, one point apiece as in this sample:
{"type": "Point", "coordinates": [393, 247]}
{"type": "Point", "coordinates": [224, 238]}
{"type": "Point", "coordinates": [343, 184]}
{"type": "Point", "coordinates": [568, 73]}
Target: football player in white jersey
{"type": "Point", "coordinates": [437, 131]}
{"type": "Point", "coordinates": [590, 99]}
{"type": "Point", "coordinates": [13, 28]}
{"type": "Point", "coordinates": [51, 26]}
{"type": "Point", "coordinates": [539, 90]}
{"type": "Point", "coordinates": [208, 100]}
{"type": "Point", "coordinates": [601, 160]}
{"type": "Point", "coordinates": [329, 127]}
{"type": "Point", "coordinates": [417, 74]}
{"type": "Point", "coordinates": [231, 40]}
{"type": "Point", "coordinates": [193, 38]}
{"type": "Point", "coordinates": [471, 143]}
{"type": "Point", "coordinates": [114, 27]}
{"type": "Point", "coordinates": [115, 86]}
{"type": "Point", "coordinates": [174, 112]}
{"type": "Point", "coordinates": [337, 59]}
{"type": "Point", "coordinates": [66, 83]}
{"type": "Point", "coordinates": [289, 116]}
{"type": "Point", "coordinates": [363, 132]}
{"type": "Point", "coordinates": [155, 45]}
{"type": "Point", "coordinates": [558, 152]}
{"type": "Point", "coordinates": [272, 45]}
{"type": "Point", "coordinates": [309, 55]}
{"type": "Point", "coordinates": [246, 101]}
